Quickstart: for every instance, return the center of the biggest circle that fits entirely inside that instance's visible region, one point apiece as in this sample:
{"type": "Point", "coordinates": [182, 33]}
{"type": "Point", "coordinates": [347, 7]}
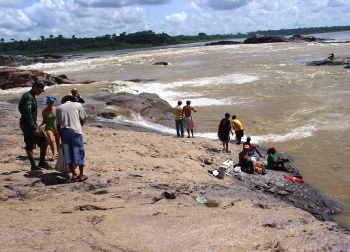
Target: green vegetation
{"type": "Point", "coordinates": [60, 45]}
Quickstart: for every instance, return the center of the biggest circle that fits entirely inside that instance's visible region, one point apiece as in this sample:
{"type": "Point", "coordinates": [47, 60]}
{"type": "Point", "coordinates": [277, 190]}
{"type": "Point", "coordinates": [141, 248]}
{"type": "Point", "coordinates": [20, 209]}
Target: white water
{"type": "Point", "coordinates": [302, 110]}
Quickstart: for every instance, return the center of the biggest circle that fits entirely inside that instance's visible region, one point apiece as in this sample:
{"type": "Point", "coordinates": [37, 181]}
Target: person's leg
{"type": "Point", "coordinates": [182, 128]}
{"type": "Point", "coordinates": [29, 145]}
{"type": "Point", "coordinates": [249, 167]}
{"type": "Point", "coordinates": [192, 133]}
{"type": "Point", "coordinates": [30, 154]}
{"type": "Point", "coordinates": [82, 177]}
{"type": "Point", "coordinates": [239, 137]}
{"type": "Point", "coordinates": [43, 142]}
{"type": "Point", "coordinates": [57, 141]}
{"type": "Point", "coordinates": [67, 150]}
{"type": "Point", "coordinates": [73, 169]}
{"type": "Point", "coordinates": [188, 126]}
{"type": "Point", "coordinates": [177, 126]}
{"type": "Point", "coordinates": [52, 143]}
{"type": "Point", "coordinates": [79, 155]}
{"type": "Point", "coordinates": [226, 146]}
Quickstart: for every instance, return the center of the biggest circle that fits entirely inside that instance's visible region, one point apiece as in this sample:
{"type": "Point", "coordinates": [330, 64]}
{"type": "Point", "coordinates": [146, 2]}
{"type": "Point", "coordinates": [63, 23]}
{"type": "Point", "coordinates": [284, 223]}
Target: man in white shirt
{"type": "Point", "coordinates": [70, 116]}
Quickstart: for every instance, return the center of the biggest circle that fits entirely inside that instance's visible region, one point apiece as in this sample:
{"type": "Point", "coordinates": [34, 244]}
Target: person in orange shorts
{"type": "Point", "coordinates": [49, 120]}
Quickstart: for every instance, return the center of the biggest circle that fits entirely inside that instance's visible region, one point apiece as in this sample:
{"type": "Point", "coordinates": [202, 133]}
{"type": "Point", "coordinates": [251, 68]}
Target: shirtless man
{"type": "Point", "coordinates": [187, 111]}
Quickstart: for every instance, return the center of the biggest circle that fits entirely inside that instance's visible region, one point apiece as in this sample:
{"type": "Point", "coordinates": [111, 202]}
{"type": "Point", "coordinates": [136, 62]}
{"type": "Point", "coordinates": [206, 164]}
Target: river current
{"type": "Point", "coordinates": [301, 110]}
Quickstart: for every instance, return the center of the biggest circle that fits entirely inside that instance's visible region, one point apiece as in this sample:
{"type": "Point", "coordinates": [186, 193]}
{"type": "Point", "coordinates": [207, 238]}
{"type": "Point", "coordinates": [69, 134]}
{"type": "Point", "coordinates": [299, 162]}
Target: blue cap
{"type": "Point", "coordinates": [50, 98]}
{"type": "Point", "coordinates": [227, 114]}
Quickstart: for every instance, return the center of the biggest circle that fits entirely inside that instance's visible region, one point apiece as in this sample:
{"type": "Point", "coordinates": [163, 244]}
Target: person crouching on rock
{"type": "Point", "coordinates": [245, 161]}
{"type": "Point", "coordinates": [275, 163]}
{"type": "Point", "coordinates": [252, 148]}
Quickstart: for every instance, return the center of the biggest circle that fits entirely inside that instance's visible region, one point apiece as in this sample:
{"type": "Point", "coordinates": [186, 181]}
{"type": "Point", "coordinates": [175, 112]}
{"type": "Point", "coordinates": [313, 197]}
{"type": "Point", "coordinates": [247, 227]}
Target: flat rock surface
{"type": "Point", "coordinates": [141, 195]}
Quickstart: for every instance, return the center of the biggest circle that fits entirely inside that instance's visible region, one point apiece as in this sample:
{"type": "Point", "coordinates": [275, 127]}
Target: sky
{"type": "Point", "coordinates": [23, 20]}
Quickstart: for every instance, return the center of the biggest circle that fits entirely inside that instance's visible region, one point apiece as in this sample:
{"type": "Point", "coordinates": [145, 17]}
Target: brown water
{"type": "Point", "coordinates": [301, 110]}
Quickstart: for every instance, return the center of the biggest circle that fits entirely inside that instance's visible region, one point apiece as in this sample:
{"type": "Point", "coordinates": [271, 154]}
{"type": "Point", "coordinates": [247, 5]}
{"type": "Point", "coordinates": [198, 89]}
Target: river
{"type": "Point", "coordinates": [301, 110]}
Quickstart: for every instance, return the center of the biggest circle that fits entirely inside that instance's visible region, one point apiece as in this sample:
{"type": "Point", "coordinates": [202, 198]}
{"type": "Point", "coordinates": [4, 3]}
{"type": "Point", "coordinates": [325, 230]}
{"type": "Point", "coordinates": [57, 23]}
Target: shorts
{"type": "Point", "coordinates": [224, 138]}
{"type": "Point", "coordinates": [32, 140]}
{"type": "Point", "coordinates": [188, 123]}
{"type": "Point", "coordinates": [73, 147]}
{"type": "Point", "coordinates": [239, 133]}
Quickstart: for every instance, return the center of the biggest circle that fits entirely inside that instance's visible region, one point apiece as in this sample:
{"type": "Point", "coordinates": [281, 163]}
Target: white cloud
{"type": "Point", "coordinates": [177, 18]}
{"type": "Point", "coordinates": [21, 19]}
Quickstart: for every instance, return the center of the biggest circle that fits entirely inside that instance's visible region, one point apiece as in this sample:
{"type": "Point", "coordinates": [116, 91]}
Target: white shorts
{"type": "Point", "coordinates": [188, 123]}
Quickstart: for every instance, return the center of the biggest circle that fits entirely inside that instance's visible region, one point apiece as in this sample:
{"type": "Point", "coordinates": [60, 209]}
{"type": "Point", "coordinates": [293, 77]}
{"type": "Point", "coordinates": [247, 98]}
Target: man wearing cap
{"type": "Point", "coordinates": [179, 123]}
{"type": "Point", "coordinates": [252, 148]}
{"type": "Point", "coordinates": [33, 135]}
{"type": "Point", "coordinates": [276, 163]}
{"type": "Point", "coordinates": [77, 96]}
{"type": "Point", "coordinates": [187, 111]}
{"type": "Point", "coordinates": [245, 162]}
{"type": "Point", "coordinates": [224, 131]}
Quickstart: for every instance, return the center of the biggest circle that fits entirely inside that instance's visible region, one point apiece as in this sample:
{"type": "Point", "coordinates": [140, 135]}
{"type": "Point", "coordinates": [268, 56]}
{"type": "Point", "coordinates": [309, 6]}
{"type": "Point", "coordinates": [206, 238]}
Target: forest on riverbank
{"type": "Point", "coordinates": [61, 45]}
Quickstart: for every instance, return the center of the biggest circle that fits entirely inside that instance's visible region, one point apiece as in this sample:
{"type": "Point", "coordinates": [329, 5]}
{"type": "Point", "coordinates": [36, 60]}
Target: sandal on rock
{"type": "Point", "coordinates": [83, 178]}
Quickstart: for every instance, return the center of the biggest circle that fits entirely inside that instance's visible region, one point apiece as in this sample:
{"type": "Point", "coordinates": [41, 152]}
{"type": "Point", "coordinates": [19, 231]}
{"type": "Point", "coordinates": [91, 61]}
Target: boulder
{"type": "Point", "coordinates": [224, 42]}
{"type": "Point", "coordinates": [300, 38]}
{"type": "Point", "coordinates": [13, 78]}
{"type": "Point", "coordinates": [19, 60]}
{"type": "Point", "coordinates": [162, 63]}
{"type": "Point", "coordinates": [264, 39]}
{"type": "Point", "coordinates": [149, 106]}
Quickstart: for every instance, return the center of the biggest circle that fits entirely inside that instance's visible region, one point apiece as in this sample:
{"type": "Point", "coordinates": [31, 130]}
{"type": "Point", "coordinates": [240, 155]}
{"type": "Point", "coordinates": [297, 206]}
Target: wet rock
{"type": "Point", "coordinates": [15, 61]}
{"type": "Point", "coordinates": [150, 106]}
{"type": "Point", "coordinates": [258, 38]}
{"type": "Point", "coordinates": [14, 78]}
{"type": "Point", "coordinates": [225, 42]}
{"type": "Point", "coordinates": [162, 63]}
{"type": "Point", "coordinates": [301, 38]}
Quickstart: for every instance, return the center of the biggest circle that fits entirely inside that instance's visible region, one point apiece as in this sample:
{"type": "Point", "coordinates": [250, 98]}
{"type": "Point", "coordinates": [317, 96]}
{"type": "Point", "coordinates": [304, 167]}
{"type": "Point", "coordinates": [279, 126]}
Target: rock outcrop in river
{"type": "Point", "coordinates": [13, 78]}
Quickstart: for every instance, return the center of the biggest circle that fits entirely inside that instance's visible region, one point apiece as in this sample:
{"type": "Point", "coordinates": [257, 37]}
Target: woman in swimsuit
{"type": "Point", "coordinates": [49, 120]}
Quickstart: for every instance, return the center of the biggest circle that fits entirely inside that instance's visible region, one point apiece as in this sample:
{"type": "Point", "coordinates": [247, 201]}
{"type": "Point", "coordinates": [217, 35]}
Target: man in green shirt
{"type": "Point", "coordinates": [33, 135]}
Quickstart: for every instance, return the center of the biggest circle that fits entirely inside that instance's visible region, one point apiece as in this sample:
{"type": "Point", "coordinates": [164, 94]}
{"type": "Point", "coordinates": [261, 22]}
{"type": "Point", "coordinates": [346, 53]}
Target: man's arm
{"type": "Point", "coordinates": [80, 99]}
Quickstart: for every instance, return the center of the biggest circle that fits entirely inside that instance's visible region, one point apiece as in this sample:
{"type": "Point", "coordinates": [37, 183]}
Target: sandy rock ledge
{"type": "Point", "coordinates": [141, 196]}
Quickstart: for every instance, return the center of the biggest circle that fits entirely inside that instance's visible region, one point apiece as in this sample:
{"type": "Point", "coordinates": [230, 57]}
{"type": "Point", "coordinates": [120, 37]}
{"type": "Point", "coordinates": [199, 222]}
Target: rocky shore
{"type": "Point", "coordinates": [144, 194]}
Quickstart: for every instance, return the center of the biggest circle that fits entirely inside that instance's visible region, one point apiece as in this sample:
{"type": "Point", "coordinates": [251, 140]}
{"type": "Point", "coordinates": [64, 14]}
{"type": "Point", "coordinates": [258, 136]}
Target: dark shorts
{"type": "Point", "coordinates": [224, 138]}
{"type": "Point", "coordinates": [239, 133]}
{"type": "Point", "coordinates": [32, 140]}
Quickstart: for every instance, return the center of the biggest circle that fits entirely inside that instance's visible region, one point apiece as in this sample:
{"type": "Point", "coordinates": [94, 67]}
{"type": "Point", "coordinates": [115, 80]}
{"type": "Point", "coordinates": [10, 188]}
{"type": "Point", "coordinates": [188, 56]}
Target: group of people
{"type": "Point", "coordinates": [226, 126]}
{"type": "Point", "coordinates": [184, 119]}
{"type": "Point", "coordinates": [63, 123]}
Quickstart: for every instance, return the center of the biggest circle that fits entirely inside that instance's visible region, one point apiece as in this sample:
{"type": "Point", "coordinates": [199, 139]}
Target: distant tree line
{"type": "Point", "coordinates": [60, 45]}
